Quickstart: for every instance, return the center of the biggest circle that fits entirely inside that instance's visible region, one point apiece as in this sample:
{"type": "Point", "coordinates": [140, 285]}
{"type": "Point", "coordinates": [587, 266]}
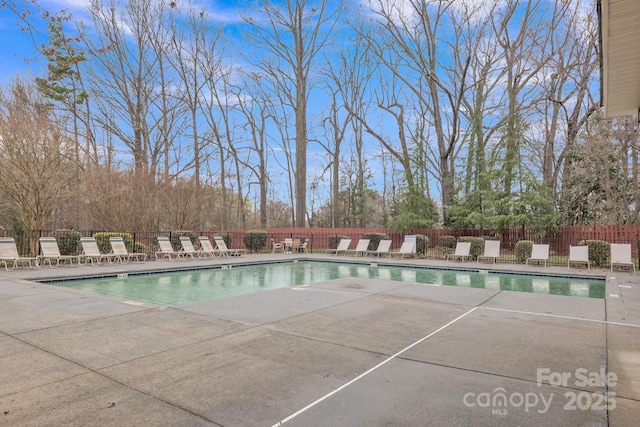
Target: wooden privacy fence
{"type": "Point", "coordinates": [319, 238]}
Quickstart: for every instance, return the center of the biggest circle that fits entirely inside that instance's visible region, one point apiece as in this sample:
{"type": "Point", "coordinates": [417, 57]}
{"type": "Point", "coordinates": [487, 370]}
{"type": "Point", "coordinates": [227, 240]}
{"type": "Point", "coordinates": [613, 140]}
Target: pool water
{"type": "Point", "coordinates": [173, 288]}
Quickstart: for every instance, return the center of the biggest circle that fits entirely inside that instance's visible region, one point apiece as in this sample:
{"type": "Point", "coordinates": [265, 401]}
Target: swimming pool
{"type": "Point", "coordinates": [182, 287]}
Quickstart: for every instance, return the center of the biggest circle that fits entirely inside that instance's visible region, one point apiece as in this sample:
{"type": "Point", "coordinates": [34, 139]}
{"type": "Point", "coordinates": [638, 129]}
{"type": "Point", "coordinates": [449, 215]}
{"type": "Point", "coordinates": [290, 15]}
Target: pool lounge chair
{"type": "Point", "coordinates": [187, 248]}
{"type": "Point", "coordinates": [9, 255]}
{"type": "Point", "coordinates": [579, 254]}
{"type": "Point", "coordinates": [538, 253]}
{"type": "Point", "coordinates": [50, 252]}
{"type": "Point", "coordinates": [206, 248]}
{"type": "Point", "coordinates": [343, 246]}
{"type": "Point", "coordinates": [121, 254]}
{"type": "Point", "coordinates": [91, 252]}
{"type": "Point", "coordinates": [224, 250]}
{"type": "Point", "coordinates": [361, 248]}
{"type": "Point", "coordinates": [407, 248]}
{"type": "Point", "coordinates": [621, 255]}
{"type": "Point", "coordinates": [166, 250]}
{"type": "Point", "coordinates": [384, 246]}
{"type": "Point", "coordinates": [463, 250]}
{"type": "Point", "coordinates": [491, 250]}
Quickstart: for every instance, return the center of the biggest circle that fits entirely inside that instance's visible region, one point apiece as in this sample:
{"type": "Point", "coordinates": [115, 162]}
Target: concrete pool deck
{"type": "Point", "coordinates": [347, 352]}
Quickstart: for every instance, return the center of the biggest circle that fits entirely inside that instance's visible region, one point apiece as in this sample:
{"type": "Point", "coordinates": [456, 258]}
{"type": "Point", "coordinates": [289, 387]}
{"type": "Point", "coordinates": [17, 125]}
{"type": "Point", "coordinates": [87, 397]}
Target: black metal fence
{"type": "Point", "coordinates": [318, 241]}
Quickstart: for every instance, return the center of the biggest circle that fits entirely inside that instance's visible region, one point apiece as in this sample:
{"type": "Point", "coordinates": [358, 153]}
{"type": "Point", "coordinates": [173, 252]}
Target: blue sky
{"type": "Point", "coordinates": [18, 54]}
{"type": "Point", "coordinates": [18, 51]}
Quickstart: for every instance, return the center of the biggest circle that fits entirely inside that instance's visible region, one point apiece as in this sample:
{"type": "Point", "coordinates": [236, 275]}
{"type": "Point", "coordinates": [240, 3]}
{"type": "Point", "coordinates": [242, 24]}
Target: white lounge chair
{"type": "Point", "coordinates": [166, 250]}
{"type": "Point", "coordinates": [538, 253]}
{"type": "Point", "coordinates": [579, 254]}
{"type": "Point", "coordinates": [120, 252]}
{"type": "Point", "coordinates": [463, 250]}
{"type": "Point", "coordinates": [407, 248]}
{"type": "Point", "coordinates": [491, 250]}
{"type": "Point", "coordinates": [187, 248]}
{"type": "Point", "coordinates": [92, 253]}
{"type": "Point", "coordinates": [384, 246]}
{"type": "Point", "coordinates": [50, 252]}
{"type": "Point", "coordinates": [9, 254]}
{"type": "Point", "coordinates": [621, 255]}
{"type": "Point", "coordinates": [343, 246]}
{"type": "Point", "coordinates": [206, 248]}
{"type": "Point", "coordinates": [224, 250]}
{"type": "Point", "coordinates": [361, 248]}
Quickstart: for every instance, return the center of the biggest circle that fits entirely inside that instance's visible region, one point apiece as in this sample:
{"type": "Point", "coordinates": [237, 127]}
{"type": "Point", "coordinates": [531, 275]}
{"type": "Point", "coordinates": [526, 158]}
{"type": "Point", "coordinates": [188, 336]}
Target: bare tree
{"type": "Point", "coordinates": [348, 71]}
{"type": "Point", "coordinates": [598, 187]}
{"type": "Point", "coordinates": [218, 107]}
{"type": "Point", "coordinates": [336, 125]}
{"type": "Point", "coordinates": [525, 54]}
{"type": "Point", "coordinates": [183, 201]}
{"type": "Point", "coordinates": [190, 34]}
{"type": "Point", "coordinates": [170, 106]}
{"type": "Point", "coordinates": [411, 41]}
{"type": "Point", "coordinates": [482, 101]}
{"type": "Point", "coordinates": [508, 53]}
{"type": "Point", "coordinates": [569, 87]}
{"type": "Point", "coordinates": [294, 34]}
{"type": "Point", "coordinates": [122, 200]}
{"type": "Point", "coordinates": [124, 77]}
{"type": "Point", "coordinates": [37, 160]}
{"type": "Point", "coordinates": [283, 149]}
{"type": "Point", "coordinates": [255, 105]}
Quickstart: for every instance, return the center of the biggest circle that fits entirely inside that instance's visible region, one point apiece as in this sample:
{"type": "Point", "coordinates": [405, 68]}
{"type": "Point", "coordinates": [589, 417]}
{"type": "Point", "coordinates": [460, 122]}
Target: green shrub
{"type": "Point", "coordinates": [226, 236]}
{"type": "Point", "coordinates": [477, 245]}
{"type": "Point", "coordinates": [448, 242]}
{"type": "Point", "coordinates": [374, 240]}
{"type": "Point", "coordinates": [334, 240]}
{"type": "Point", "coordinates": [139, 248]}
{"type": "Point", "coordinates": [68, 241]}
{"type": "Point", "coordinates": [523, 250]}
{"type": "Point", "coordinates": [20, 237]}
{"type": "Point", "coordinates": [255, 240]}
{"type": "Point", "coordinates": [422, 244]}
{"type": "Point", "coordinates": [599, 252]}
{"type": "Point", "coordinates": [102, 240]}
{"type": "Point", "coordinates": [175, 238]}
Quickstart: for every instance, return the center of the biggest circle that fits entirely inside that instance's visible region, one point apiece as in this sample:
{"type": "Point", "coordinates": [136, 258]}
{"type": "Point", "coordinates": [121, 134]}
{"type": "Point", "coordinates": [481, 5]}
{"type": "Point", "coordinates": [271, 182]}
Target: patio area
{"type": "Point", "coordinates": [339, 353]}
